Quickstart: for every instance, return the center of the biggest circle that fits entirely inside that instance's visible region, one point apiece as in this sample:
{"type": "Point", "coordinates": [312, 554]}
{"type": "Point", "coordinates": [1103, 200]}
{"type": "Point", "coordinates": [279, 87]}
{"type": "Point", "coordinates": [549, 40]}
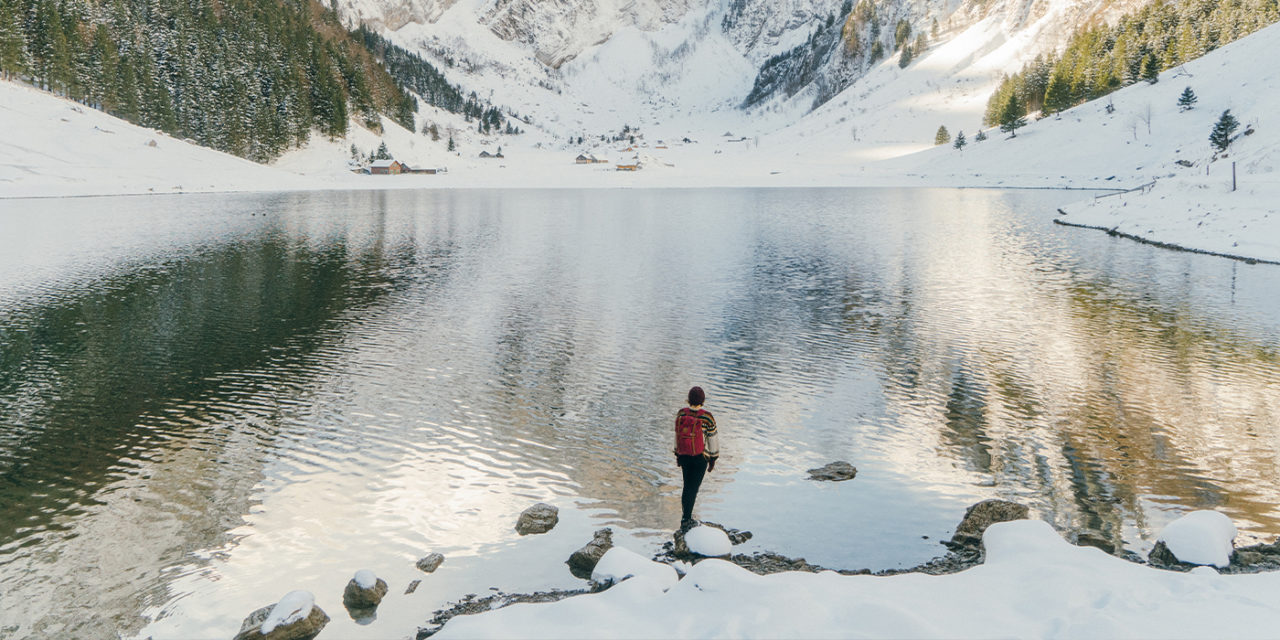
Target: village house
{"type": "Point", "coordinates": [486, 154]}
{"type": "Point", "coordinates": [386, 167]}
{"type": "Point", "coordinates": [589, 158]}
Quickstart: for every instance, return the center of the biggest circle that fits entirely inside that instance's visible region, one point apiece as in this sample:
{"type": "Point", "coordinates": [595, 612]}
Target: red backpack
{"type": "Point", "coordinates": [689, 438]}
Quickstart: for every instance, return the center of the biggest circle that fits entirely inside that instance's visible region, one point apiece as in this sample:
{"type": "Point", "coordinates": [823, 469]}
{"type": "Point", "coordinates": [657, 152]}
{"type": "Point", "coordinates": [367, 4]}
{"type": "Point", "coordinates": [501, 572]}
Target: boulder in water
{"type": "Point", "coordinates": [834, 472]}
{"type": "Point", "coordinates": [584, 560]}
{"type": "Point", "coordinates": [540, 518]}
{"type": "Point", "coordinates": [364, 591]}
{"type": "Point", "coordinates": [295, 617]}
{"type": "Point", "coordinates": [430, 562]}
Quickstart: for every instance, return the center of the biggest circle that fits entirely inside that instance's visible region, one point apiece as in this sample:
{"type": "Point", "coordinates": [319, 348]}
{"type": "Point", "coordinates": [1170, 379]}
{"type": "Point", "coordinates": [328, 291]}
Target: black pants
{"type": "Point", "coordinates": [694, 468]}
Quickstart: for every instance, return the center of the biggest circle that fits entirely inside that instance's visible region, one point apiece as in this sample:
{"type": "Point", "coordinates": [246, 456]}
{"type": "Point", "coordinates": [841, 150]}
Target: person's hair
{"type": "Point", "coordinates": [696, 396]}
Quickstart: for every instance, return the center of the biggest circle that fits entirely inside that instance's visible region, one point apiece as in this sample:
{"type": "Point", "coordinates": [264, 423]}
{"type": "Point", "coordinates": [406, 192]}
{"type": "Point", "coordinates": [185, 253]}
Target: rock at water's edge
{"type": "Point", "coordinates": [982, 515]}
{"type": "Point", "coordinates": [679, 547]}
{"type": "Point", "coordinates": [584, 560]}
{"type": "Point", "coordinates": [430, 562]}
{"type": "Point", "coordinates": [834, 472]}
{"type": "Point", "coordinates": [708, 542]}
{"type": "Point", "coordinates": [304, 629]}
{"type": "Point", "coordinates": [540, 518]}
{"type": "Point", "coordinates": [1095, 540]}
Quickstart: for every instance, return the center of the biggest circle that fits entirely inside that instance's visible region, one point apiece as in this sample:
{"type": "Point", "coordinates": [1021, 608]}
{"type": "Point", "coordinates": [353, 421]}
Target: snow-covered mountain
{"type": "Point", "coordinates": [587, 67]}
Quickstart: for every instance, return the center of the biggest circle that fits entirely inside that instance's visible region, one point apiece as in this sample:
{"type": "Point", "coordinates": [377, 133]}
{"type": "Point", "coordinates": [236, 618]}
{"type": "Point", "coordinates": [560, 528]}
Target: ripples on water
{"type": "Point", "coordinates": [210, 401]}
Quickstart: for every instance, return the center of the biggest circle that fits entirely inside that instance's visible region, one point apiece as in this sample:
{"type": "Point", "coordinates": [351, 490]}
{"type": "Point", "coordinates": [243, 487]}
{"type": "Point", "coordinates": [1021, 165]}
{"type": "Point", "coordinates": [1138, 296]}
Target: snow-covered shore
{"type": "Point", "coordinates": [1032, 585]}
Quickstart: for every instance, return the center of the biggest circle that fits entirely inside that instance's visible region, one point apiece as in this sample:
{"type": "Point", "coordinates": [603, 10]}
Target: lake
{"type": "Point", "coordinates": [207, 401]}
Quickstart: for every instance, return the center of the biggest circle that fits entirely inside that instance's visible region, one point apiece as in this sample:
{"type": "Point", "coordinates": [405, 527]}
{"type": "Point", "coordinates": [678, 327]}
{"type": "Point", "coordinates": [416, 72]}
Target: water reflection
{"type": "Point", "coordinates": [210, 401]}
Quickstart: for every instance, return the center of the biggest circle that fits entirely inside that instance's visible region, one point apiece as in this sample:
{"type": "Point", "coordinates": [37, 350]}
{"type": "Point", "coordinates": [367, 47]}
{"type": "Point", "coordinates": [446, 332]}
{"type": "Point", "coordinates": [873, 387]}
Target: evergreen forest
{"type": "Point", "coordinates": [1101, 59]}
{"type": "Point", "coordinates": [422, 78]}
{"type": "Point", "coordinates": [250, 77]}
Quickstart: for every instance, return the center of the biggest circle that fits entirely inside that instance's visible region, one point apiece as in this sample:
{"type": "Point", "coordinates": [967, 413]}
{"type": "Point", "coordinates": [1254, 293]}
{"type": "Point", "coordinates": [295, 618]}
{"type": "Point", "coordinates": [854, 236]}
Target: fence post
{"type": "Point", "coordinates": [1233, 176]}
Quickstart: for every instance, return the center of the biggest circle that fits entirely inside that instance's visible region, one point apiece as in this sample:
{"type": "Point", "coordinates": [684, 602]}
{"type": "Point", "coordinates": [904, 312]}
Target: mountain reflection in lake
{"type": "Point", "coordinates": [208, 401]}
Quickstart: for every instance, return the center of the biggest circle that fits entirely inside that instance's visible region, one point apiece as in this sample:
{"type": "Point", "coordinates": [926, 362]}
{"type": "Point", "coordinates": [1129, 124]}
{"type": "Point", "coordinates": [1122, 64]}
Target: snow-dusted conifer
{"type": "Point", "coordinates": [943, 136]}
{"type": "Point", "coordinates": [1151, 68]}
{"type": "Point", "coordinates": [1012, 115]}
{"type": "Point", "coordinates": [960, 141]}
{"type": "Point", "coordinates": [1187, 100]}
{"type": "Point", "coordinates": [1220, 137]}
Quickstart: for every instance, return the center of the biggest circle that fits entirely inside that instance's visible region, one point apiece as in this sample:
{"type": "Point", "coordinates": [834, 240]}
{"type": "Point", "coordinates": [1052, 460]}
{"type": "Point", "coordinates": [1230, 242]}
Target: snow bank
{"type": "Point", "coordinates": [1194, 201]}
{"type": "Point", "coordinates": [1200, 537]}
{"type": "Point", "coordinates": [708, 541]}
{"type": "Point", "coordinates": [293, 607]}
{"type": "Point", "coordinates": [55, 147]}
{"type": "Point", "coordinates": [619, 564]}
{"type": "Point", "coordinates": [1033, 585]}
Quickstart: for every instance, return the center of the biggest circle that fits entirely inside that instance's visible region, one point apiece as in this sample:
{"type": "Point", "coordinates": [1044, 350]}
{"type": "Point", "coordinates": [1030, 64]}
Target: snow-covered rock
{"type": "Point", "coordinates": [294, 617]}
{"type": "Point", "coordinates": [1200, 537]}
{"type": "Point", "coordinates": [364, 591]}
{"type": "Point", "coordinates": [619, 564]}
{"type": "Point", "coordinates": [708, 541]}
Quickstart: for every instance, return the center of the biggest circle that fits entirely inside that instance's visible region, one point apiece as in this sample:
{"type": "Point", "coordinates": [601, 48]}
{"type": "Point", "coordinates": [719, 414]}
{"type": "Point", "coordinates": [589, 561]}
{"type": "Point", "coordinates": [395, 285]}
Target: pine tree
{"type": "Point", "coordinates": [1187, 100]}
{"type": "Point", "coordinates": [451, 146]}
{"type": "Point", "coordinates": [1220, 137]}
{"type": "Point", "coordinates": [1057, 96]}
{"type": "Point", "coordinates": [982, 135]}
{"type": "Point", "coordinates": [1151, 68]}
{"type": "Point", "coordinates": [13, 54]}
{"type": "Point", "coordinates": [382, 153]}
{"type": "Point", "coordinates": [960, 141]}
{"type": "Point", "coordinates": [1012, 115]}
{"type": "Point", "coordinates": [901, 33]}
{"type": "Point", "coordinates": [905, 58]}
{"type": "Point", "coordinates": [942, 137]}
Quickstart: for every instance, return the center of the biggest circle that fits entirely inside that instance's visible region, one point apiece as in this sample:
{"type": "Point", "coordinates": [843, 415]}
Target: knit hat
{"type": "Point", "coordinates": [696, 396]}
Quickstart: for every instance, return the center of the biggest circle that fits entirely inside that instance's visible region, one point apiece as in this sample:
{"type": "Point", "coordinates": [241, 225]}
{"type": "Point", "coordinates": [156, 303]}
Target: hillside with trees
{"type": "Point", "coordinates": [250, 77]}
{"type": "Point", "coordinates": [1099, 60]}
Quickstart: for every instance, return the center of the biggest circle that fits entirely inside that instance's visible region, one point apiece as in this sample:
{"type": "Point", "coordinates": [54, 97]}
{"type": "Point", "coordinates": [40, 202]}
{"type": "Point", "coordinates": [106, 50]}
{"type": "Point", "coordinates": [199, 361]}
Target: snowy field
{"type": "Point", "coordinates": [1032, 585]}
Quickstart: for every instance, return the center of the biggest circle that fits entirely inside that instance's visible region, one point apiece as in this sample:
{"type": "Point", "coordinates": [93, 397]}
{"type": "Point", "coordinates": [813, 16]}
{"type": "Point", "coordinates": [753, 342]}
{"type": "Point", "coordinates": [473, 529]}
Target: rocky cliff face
{"type": "Point", "coordinates": [804, 51]}
{"type": "Point", "coordinates": [392, 14]}
{"type": "Point", "coordinates": [558, 30]}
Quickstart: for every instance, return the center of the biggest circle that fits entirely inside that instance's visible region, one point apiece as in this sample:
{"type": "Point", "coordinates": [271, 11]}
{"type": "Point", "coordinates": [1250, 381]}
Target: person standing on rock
{"type": "Point", "coordinates": [697, 448]}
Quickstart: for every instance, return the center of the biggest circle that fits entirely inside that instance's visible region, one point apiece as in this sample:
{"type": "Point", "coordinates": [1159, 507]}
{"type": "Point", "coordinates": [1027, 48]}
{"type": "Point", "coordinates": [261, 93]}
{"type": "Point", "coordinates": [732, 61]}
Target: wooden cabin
{"type": "Point", "coordinates": [386, 167]}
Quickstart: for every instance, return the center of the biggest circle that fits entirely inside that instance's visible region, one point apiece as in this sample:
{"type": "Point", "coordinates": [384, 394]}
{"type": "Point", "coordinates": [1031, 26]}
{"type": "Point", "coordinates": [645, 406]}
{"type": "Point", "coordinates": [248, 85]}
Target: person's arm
{"type": "Point", "coordinates": [712, 450]}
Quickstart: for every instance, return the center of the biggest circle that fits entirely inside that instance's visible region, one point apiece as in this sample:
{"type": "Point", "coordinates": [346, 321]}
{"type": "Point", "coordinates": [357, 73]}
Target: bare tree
{"type": "Point", "coordinates": [1144, 115]}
